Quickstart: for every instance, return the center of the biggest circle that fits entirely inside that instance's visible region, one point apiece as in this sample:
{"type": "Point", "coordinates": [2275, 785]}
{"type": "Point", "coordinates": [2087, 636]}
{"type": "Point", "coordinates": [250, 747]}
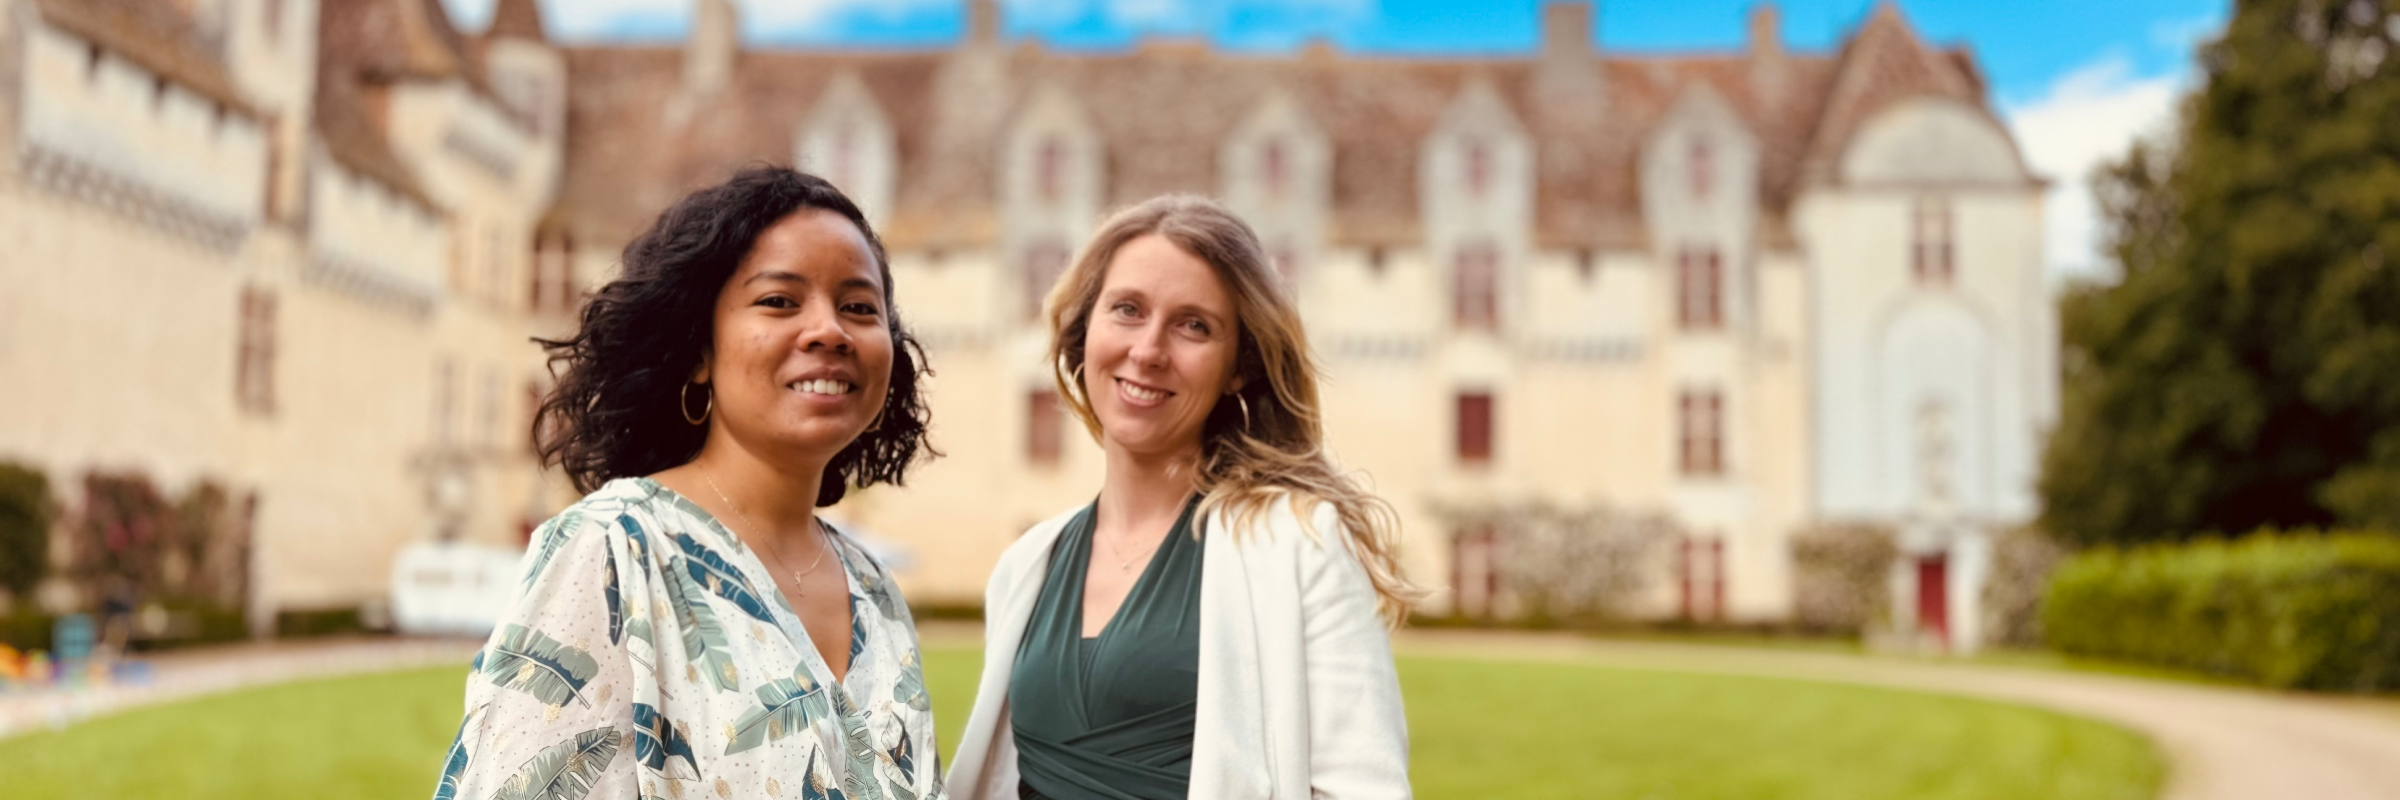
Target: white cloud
{"type": "Point", "coordinates": [584, 19]}
{"type": "Point", "coordinates": [600, 18]}
{"type": "Point", "coordinates": [2088, 117]}
{"type": "Point", "coordinates": [1174, 15]}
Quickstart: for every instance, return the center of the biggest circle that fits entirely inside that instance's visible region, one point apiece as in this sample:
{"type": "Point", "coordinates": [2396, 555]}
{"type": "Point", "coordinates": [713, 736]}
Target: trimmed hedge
{"type": "Point", "coordinates": [2285, 610]}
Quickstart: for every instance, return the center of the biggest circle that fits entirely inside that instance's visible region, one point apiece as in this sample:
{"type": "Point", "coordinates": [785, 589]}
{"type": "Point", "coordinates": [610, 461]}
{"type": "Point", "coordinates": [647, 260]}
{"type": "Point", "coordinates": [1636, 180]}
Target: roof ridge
{"type": "Point", "coordinates": [517, 19]}
{"type": "Point", "coordinates": [1883, 61]}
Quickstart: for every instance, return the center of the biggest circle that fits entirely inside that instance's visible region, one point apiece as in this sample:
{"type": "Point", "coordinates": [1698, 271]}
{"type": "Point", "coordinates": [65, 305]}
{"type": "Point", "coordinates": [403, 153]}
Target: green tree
{"type": "Point", "coordinates": [2245, 369]}
{"type": "Point", "coordinates": [25, 514]}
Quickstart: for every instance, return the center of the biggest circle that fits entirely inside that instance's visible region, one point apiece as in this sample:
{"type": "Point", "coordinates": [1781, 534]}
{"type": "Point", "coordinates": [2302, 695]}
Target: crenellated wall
{"type": "Point", "coordinates": [97, 127]}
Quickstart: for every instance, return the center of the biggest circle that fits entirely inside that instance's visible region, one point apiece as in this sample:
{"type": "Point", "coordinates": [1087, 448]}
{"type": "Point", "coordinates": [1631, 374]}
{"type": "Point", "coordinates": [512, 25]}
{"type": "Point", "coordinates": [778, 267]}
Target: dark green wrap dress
{"type": "Point", "coordinates": [1111, 717]}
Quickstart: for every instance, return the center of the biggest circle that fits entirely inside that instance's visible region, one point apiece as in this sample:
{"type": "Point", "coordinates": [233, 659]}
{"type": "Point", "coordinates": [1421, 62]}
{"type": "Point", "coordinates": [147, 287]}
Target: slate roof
{"type": "Point", "coordinates": [156, 34]}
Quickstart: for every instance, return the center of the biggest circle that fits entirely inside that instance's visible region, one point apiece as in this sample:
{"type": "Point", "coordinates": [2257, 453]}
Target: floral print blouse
{"type": "Point", "coordinates": [649, 655]}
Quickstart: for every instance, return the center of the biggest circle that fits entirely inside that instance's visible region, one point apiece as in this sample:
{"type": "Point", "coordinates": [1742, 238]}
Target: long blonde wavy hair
{"type": "Point", "coordinates": [1274, 449]}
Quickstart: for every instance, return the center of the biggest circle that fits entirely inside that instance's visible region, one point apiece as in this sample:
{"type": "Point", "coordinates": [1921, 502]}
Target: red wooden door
{"type": "Point", "coordinates": [1933, 596]}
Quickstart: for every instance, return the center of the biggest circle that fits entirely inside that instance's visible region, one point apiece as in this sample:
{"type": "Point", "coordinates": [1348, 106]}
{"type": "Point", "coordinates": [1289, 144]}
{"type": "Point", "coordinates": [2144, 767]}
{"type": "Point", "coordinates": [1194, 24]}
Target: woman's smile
{"type": "Point", "coordinates": [1141, 395]}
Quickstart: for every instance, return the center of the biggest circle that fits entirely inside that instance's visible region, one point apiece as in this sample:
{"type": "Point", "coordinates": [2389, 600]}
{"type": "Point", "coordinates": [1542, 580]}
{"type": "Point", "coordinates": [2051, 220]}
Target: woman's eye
{"type": "Point", "coordinates": [862, 309]}
{"type": "Point", "coordinates": [1197, 326]}
{"type": "Point", "coordinates": [777, 301]}
{"type": "Point", "coordinates": [1123, 309]}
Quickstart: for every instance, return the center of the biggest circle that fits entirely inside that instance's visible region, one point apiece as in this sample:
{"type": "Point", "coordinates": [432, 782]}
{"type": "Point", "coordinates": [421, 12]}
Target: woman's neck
{"type": "Point", "coordinates": [778, 497]}
{"type": "Point", "coordinates": [1144, 492]}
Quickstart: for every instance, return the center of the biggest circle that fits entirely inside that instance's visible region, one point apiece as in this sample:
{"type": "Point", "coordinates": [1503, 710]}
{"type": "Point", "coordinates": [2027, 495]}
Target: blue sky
{"type": "Point", "coordinates": [2025, 46]}
{"type": "Point", "coordinates": [2077, 79]}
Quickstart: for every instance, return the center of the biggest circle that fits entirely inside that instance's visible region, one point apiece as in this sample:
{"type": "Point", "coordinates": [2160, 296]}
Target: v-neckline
{"type": "Point", "coordinates": [1091, 547]}
{"type": "Point", "coordinates": [794, 630]}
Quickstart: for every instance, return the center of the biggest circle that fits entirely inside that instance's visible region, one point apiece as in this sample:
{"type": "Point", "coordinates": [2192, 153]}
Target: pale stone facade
{"type": "Point", "coordinates": [235, 255]}
{"type": "Point", "coordinates": [1750, 292]}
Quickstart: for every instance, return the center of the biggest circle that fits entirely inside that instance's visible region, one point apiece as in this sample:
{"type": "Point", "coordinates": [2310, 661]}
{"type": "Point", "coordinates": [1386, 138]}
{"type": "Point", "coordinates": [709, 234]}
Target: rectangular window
{"type": "Point", "coordinates": [1700, 420]}
{"type": "Point", "coordinates": [460, 271]}
{"type": "Point", "coordinates": [1275, 169]}
{"type": "Point", "coordinates": [489, 402]}
{"type": "Point", "coordinates": [254, 361]}
{"type": "Point", "coordinates": [445, 378]}
{"type": "Point", "coordinates": [1049, 169]}
{"type": "Point", "coordinates": [537, 288]}
{"type": "Point", "coordinates": [1932, 255]}
{"type": "Point", "coordinates": [551, 287]}
{"type": "Point", "coordinates": [275, 168]}
{"type": "Point", "coordinates": [1703, 167]}
{"type": "Point", "coordinates": [495, 266]}
{"type": "Point", "coordinates": [562, 279]}
{"type": "Point", "coordinates": [1044, 262]}
{"type": "Point", "coordinates": [1475, 572]}
{"type": "Point", "coordinates": [1699, 289]}
{"type": "Point", "coordinates": [1042, 429]}
{"type": "Point", "coordinates": [1474, 428]}
{"type": "Point", "coordinates": [1475, 293]}
{"type": "Point", "coordinates": [1701, 567]}
{"type": "Point", "coordinates": [535, 390]}
{"type": "Point", "coordinates": [1479, 167]}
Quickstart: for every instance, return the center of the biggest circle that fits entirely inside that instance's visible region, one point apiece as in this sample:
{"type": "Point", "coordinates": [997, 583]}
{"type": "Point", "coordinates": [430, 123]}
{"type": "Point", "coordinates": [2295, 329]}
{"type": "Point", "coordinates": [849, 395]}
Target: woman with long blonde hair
{"type": "Point", "coordinates": [1214, 625]}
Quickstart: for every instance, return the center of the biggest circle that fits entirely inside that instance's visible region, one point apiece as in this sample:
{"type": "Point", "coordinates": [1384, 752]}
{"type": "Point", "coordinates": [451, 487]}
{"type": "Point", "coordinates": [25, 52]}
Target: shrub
{"type": "Point", "coordinates": [1562, 565]}
{"type": "Point", "coordinates": [2297, 610]}
{"type": "Point", "coordinates": [126, 531]}
{"type": "Point", "coordinates": [26, 629]}
{"type": "Point", "coordinates": [301, 624]}
{"type": "Point", "coordinates": [1842, 577]}
{"type": "Point", "coordinates": [2023, 561]}
{"type": "Point", "coordinates": [25, 515]}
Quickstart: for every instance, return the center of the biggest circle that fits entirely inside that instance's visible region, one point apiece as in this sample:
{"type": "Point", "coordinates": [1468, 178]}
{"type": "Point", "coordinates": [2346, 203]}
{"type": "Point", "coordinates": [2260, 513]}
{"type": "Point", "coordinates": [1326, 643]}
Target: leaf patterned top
{"type": "Point", "coordinates": [648, 655]}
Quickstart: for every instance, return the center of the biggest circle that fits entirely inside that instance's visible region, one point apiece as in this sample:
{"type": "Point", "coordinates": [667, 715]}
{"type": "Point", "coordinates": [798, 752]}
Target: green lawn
{"type": "Point", "coordinates": [1481, 729]}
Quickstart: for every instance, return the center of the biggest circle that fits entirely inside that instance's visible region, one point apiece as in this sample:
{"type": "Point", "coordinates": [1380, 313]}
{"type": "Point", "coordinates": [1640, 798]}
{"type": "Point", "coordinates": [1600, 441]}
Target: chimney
{"type": "Point", "coordinates": [1567, 28]}
{"type": "Point", "coordinates": [983, 21]}
{"type": "Point", "coordinates": [716, 40]}
{"type": "Point", "coordinates": [1766, 50]}
{"type": "Point", "coordinates": [1766, 33]}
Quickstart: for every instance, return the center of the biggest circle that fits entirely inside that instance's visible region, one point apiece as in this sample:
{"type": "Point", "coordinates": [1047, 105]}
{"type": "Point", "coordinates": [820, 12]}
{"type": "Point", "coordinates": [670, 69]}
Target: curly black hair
{"type": "Point", "coordinates": [616, 407]}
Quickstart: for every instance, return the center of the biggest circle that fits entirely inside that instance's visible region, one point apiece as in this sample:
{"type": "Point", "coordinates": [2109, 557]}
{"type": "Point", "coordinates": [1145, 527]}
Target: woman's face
{"type": "Point", "coordinates": [1159, 352]}
{"type": "Point", "coordinates": [802, 354]}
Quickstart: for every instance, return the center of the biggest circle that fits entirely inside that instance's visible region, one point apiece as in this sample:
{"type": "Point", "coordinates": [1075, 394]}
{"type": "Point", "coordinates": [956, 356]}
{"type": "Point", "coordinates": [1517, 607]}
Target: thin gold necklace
{"type": "Point", "coordinates": [1127, 565]}
{"type": "Point", "coordinates": [799, 582]}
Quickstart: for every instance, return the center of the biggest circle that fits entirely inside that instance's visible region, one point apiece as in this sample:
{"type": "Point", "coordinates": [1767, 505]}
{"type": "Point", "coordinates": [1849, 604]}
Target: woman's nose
{"type": "Point", "coordinates": [821, 329]}
{"type": "Point", "coordinates": [1149, 346]}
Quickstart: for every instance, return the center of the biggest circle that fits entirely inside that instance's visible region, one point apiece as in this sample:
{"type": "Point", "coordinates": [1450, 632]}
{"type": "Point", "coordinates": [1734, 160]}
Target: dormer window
{"type": "Point", "coordinates": [1702, 165]}
{"type": "Point", "coordinates": [1281, 256]}
{"type": "Point", "coordinates": [1699, 289]}
{"type": "Point", "coordinates": [1276, 165]}
{"type": "Point", "coordinates": [1475, 293]}
{"type": "Point", "coordinates": [842, 161]}
{"type": "Point", "coordinates": [1050, 162]}
{"type": "Point", "coordinates": [1933, 257]}
{"type": "Point", "coordinates": [1044, 262]}
{"type": "Point", "coordinates": [1479, 167]}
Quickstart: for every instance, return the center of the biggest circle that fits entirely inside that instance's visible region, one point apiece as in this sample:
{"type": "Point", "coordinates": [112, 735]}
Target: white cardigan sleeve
{"type": "Point", "coordinates": [1357, 731]}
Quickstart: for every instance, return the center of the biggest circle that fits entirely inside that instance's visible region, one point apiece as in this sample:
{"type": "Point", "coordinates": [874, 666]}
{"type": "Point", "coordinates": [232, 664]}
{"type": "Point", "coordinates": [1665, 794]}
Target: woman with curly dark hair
{"type": "Point", "coordinates": [690, 628]}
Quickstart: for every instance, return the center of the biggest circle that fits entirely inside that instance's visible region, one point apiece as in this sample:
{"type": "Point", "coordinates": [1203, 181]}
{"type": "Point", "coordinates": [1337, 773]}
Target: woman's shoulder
{"type": "Point", "coordinates": [625, 508]}
{"type": "Point", "coordinates": [1281, 519]}
{"type": "Point", "coordinates": [1032, 547]}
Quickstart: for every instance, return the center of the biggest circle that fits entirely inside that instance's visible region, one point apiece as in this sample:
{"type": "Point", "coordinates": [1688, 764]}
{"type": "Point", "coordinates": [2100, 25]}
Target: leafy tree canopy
{"type": "Point", "coordinates": [2245, 369]}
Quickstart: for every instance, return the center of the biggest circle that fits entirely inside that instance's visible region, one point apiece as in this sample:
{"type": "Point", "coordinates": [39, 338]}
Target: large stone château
{"type": "Point", "coordinates": [297, 248]}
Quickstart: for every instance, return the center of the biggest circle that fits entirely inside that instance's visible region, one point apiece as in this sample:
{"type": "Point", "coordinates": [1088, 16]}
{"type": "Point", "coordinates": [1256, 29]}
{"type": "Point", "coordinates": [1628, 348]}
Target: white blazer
{"type": "Point", "coordinates": [1298, 698]}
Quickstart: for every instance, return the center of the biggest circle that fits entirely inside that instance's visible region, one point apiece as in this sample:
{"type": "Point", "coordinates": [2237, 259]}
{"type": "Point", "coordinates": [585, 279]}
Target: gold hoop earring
{"type": "Point", "coordinates": [1244, 402]}
{"type": "Point", "coordinates": [683, 403]}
